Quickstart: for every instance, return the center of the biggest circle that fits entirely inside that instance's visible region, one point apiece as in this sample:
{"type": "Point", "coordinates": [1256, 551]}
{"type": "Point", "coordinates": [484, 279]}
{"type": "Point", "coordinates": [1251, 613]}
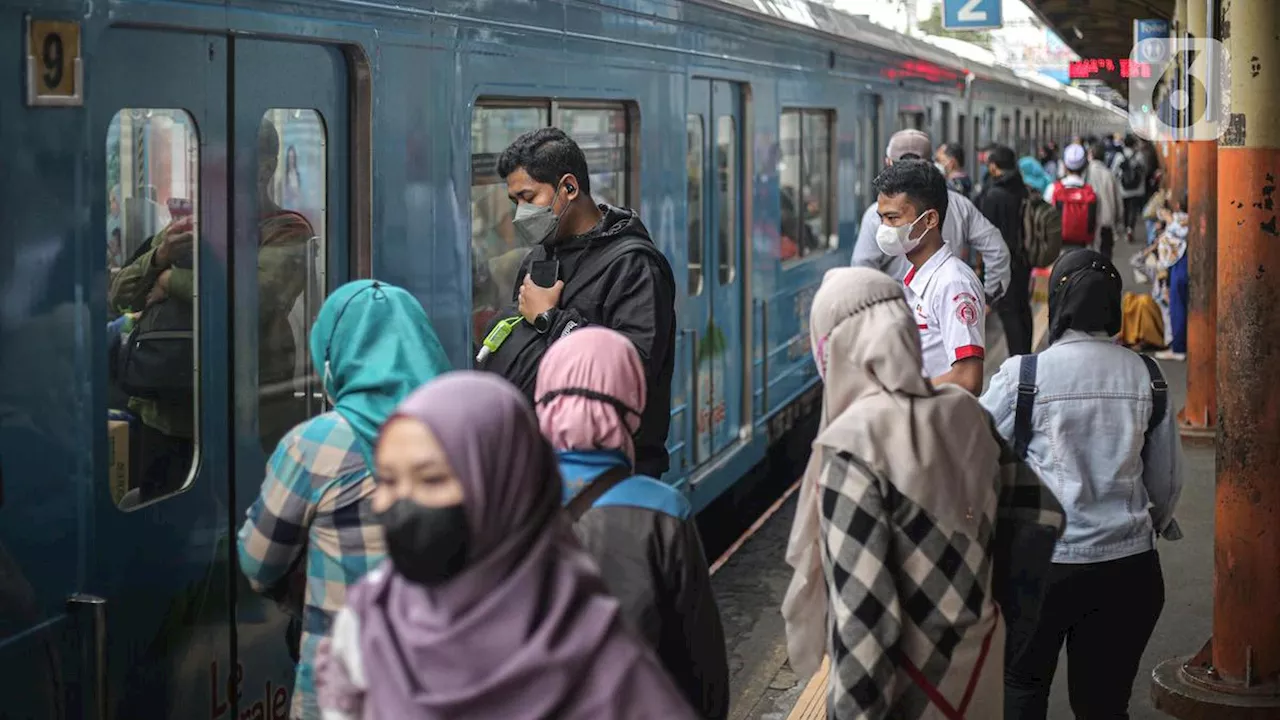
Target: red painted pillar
{"type": "Point", "coordinates": [1237, 673]}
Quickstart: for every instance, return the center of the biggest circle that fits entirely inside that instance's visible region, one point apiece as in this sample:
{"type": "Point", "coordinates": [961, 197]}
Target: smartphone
{"type": "Point", "coordinates": [179, 207]}
{"type": "Point", "coordinates": [545, 273]}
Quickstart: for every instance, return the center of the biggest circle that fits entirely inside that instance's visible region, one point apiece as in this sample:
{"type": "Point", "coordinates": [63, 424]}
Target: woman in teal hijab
{"type": "Point", "coordinates": [1033, 174]}
{"type": "Point", "coordinates": [372, 345]}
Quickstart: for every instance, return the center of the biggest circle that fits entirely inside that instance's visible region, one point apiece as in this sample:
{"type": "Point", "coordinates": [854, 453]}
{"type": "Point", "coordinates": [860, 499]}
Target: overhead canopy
{"type": "Point", "coordinates": [1105, 29]}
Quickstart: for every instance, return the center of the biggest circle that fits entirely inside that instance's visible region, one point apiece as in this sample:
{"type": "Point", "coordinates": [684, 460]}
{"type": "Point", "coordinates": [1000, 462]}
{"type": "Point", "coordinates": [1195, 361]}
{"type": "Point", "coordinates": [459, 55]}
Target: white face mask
{"type": "Point", "coordinates": [897, 241]}
{"type": "Point", "coordinates": [941, 168]}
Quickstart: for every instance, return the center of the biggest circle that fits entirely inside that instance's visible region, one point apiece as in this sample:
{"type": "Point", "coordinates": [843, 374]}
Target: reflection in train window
{"type": "Point", "coordinates": [291, 267]}
{"type": "Point", "coordinates": [727, 182]}
{"type": "Point", "coordinates": [152, 267]}
{"type": "Point", "coordinates": [693, 162]}
{"type": "Point", "coordinates": [602, 130]}
{"type": "Point", "coordinates": [807, 185]}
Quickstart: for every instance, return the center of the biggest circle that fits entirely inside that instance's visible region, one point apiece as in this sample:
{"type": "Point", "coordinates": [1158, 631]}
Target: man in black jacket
{"type": "Point", "coordinates": [1001, 203]}
{"type": "Point", "coordinates": [547, 178]}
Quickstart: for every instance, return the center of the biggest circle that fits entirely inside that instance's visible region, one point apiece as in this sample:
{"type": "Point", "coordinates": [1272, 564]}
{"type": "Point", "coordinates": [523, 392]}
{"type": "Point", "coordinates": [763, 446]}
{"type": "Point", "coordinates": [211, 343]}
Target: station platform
{"type": "Point", "coordinates": [751, 583]}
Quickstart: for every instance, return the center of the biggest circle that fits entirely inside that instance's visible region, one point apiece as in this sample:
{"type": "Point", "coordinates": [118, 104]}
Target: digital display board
{"type": "Point", "coordinates": [1086, 69]}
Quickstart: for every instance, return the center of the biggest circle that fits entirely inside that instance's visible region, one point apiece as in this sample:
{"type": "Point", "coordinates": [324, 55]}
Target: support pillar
{"type": "Point", "coordinates": [1237, 672]}
{"type": "Point", "coordinates": [1199, 418]}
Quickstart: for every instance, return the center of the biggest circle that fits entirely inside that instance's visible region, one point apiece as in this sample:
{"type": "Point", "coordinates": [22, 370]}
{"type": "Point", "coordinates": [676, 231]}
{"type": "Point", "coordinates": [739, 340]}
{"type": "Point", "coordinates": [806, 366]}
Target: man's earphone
{"type": "Point", "coordinates": [328, 375]}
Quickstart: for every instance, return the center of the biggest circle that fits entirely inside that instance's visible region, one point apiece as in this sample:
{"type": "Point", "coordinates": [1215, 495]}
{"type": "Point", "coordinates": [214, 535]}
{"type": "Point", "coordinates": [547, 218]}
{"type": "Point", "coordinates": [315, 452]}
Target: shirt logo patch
{"type": "Point", "coordinates": [966, 308]}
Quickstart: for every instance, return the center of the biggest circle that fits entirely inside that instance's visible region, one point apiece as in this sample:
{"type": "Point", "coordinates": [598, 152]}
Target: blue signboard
{"type": "Point", "coordinates": [971, 14]}
{"type": "Point", "coordinates": [1151, 53]}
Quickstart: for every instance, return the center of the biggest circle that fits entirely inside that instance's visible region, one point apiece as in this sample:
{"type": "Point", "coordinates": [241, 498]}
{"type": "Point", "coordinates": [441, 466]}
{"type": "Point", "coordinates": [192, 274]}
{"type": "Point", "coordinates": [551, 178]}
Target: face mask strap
{"type": "Point", "coordinates": [622, 408]}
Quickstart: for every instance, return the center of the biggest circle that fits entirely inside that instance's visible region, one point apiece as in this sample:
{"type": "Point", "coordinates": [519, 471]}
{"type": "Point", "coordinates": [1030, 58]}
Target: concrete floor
{"type": "Point", "coordinates": [752, 583]}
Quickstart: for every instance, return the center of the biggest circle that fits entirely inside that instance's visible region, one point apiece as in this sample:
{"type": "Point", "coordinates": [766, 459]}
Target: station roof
{"type": "Point", "coordinates": [1101, 29]}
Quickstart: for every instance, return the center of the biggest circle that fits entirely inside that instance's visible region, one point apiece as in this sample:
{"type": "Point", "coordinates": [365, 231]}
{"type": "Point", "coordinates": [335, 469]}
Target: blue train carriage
{"type": "Point", "coordinates": [254, 150]}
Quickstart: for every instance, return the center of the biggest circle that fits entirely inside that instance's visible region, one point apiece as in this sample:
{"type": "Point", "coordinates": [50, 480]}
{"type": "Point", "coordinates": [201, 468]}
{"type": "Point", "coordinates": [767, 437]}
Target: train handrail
{"type": "Point", "coordinates": [692, 432]}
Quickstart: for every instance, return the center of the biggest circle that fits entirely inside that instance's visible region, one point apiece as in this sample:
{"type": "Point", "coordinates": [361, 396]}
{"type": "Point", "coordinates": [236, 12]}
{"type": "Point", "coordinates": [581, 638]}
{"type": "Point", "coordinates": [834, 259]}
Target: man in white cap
{"type": "Point", "coordinates": [964, 230]}
{"type": "Point", "coordinates": [1088, 202]}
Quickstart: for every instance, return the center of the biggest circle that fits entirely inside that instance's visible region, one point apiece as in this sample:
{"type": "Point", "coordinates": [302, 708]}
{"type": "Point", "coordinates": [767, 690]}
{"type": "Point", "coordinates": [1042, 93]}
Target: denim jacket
{"type": "Point", "coordinates": [1092, 406]}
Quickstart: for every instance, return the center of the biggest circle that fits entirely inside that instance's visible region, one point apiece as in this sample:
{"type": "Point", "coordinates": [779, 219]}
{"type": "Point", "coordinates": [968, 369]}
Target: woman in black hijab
{"type": "Point", "coordinates": [1091, 418]}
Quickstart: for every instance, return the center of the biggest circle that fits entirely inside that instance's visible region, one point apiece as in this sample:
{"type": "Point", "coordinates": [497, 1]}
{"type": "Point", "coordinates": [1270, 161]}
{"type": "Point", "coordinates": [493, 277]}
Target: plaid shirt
{"type": "Point", "coordinates": [315, 498]}
{"type": "Point", "coordinates": [913, 618]}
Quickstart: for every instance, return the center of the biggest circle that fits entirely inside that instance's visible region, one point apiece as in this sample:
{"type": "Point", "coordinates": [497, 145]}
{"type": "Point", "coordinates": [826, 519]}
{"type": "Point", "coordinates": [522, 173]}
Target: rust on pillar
{"type": "Point", "coordinates": [1199, 417]}
{"type": "Point", "coordinates": [1236, 674]}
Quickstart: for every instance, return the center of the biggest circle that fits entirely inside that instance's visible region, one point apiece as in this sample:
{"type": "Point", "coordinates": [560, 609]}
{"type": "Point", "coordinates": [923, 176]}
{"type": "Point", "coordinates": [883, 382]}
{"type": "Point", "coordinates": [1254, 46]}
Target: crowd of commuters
{"type": "Point", "coordinates": [498, 544]}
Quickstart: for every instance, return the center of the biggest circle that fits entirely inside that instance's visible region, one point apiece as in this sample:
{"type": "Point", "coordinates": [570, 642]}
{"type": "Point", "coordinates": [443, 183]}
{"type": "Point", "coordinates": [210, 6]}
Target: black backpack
{"type": "Point", "coordinates": [517, 358]}
{"type": "Point", "coordinates": [156, 360]}
{"type": "Point", "coordinates": [1027, 398]}
{"type": "Point", "coordinates": [1130, 174]}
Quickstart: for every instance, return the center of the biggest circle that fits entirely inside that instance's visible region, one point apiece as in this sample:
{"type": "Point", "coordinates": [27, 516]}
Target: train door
{"type": "Point", "coordinates": [159, 557]}
{"type": "Point", "coordinates": [714, 308]}
{"type": "Point", "coordinates": [289, 230]}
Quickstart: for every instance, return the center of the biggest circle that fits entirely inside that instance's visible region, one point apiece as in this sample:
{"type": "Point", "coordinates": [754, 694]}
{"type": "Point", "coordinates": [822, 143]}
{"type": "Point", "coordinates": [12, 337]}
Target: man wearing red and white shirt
{"type": "Point", "coordinates": [942, 291]}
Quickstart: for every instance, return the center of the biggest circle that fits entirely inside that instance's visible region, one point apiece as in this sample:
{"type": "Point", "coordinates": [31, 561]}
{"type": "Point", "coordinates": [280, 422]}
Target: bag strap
{"type": "Point", "coordinates": [605, 482]}
{"type": "Point", "coordinates": [595, 264]}
{"type": "Point", "coordinates": [1159, 393]}
{"type": "Point", "coordinates": [1026, 401]}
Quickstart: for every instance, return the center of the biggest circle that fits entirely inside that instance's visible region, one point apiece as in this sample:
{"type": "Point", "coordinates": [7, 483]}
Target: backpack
{"type": "Point", "coordinates": [1079, 208]}
{"type": "Point", "coordinates": [1027, 398]}
{"type": "Point", "coordinates": [1041, 231]}
{"type": "Point", "coordinates": [519, 353]}
{"type": "Point", "coordinates": [1130, 174]}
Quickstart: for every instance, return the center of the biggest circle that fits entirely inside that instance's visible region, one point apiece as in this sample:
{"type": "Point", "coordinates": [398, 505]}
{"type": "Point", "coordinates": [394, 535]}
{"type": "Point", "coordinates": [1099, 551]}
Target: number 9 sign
{"type": "Point", "coordinates": [55, 74]}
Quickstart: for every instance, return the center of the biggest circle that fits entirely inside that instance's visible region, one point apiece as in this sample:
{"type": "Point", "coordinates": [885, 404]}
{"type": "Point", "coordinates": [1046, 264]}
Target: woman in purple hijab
{"type": "Point", "coordinates": [488, 608]}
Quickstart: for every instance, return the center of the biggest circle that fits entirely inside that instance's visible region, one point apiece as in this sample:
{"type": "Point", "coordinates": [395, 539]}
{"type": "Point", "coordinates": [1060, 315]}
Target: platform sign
{"type": "Point", "coordinates": [1150, 53]}
{"type": "Point", "coordinates": [971, 14]}
{"type": "Point", "coordinates": [55, 73]}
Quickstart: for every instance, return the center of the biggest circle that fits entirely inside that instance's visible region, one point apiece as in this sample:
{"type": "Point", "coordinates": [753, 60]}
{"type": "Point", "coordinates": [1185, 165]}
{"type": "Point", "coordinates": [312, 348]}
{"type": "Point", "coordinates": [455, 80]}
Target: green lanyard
{"type": "Point", "coordinates": [496, 337]}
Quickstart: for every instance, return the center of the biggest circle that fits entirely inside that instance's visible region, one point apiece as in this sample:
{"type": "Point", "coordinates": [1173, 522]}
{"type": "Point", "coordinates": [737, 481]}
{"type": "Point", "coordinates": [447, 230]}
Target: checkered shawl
{"type": "Point", "coordinates": [910, 600]}
{"type": "Point", "coordinates": [314, 500]}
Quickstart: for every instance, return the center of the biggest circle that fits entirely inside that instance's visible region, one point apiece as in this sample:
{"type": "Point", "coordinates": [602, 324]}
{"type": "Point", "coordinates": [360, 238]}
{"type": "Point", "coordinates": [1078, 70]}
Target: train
{"type": "Point", "coordinates": [746, 132]}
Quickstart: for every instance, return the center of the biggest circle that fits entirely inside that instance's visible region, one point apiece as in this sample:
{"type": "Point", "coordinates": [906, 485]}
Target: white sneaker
{"type": "Point", "coordinates": [1170, 355]}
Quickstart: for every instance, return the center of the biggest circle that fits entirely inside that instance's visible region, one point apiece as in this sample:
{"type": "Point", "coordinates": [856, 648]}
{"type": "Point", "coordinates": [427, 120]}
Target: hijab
{"type": "Point", "coordinates": [526, 629]}
{"type": "Point", "coordinates": [934, 445]}
{"type": "Point", "coordinates": [1084, 294]}
{"type": "Point", "coordinates": [372, 344]}
{"type": "Point", "coordinates": [591, 391]}
{"type": "Point", "coordinates": [1034, 174]}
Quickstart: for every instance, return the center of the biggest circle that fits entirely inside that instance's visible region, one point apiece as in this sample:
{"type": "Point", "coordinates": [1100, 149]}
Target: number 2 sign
{"type": "Point", "coordinates": [55, 74]}
{"type": "Point", "coordinates": [971, 14]}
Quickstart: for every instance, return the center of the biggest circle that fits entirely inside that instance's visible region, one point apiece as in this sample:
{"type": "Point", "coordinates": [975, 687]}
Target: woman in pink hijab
{"type": "Point", "coordinates": [488, 608]}
{"type": "Point", "coordinates": [641, 531]}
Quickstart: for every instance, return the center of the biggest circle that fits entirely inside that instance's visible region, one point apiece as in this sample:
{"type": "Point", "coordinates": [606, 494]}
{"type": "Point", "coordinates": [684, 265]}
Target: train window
{"type": "Point", "coordinates": [693, 163]}
{"type": "Point", "coordinates": [291, 267]}
{"type": "Point", "coordinates": [153, 168]}
{"type": "Point", "coordinates": [806, 182]}
{"type": "Point", "coordinates": [945, 114]}
{"type": "Point", "coordinates": [727, 182]}
{"type": "Point", "coordinates": [1004, 131]}
{"type": "Point", "coordinates": [910, 120]}
{"type": "Point", "coordinates": [602, 130]}
{"type": "Point", "coordinates": [961, 136]}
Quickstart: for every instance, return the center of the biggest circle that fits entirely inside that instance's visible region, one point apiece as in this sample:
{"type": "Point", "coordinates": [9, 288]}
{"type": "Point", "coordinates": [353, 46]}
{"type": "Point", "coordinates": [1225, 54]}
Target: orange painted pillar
{"type": "Point", "coordinates": [1199, 417]}
{"type": "Point", "coordinates": [1237, 672]}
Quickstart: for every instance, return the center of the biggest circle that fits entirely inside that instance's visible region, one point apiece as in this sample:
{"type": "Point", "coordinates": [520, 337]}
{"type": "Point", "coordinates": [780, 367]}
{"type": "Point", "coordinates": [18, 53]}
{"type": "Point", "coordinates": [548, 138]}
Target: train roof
{"type": "Point", "coordinates": [946, 52]}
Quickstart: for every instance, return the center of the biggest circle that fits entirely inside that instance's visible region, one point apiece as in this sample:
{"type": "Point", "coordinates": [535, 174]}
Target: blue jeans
{"type": "Point", "coordinates": [1151, 231]}
{"type": "Point", "coordinates": [1179, 283]}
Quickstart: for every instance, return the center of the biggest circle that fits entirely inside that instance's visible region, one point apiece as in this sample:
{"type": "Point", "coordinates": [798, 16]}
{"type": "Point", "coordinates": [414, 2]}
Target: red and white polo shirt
{"type": "Point", "coordinates": [947, 301]}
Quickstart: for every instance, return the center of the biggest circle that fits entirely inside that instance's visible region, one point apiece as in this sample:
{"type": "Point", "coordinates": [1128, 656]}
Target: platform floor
{"type": "Point", "coordinates": [751, 584]}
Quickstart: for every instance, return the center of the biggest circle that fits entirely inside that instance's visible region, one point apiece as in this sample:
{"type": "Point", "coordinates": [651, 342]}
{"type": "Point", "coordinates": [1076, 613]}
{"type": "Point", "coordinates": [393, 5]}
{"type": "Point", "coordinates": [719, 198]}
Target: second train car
{"type": "Point", "coordinates": [361, 138]}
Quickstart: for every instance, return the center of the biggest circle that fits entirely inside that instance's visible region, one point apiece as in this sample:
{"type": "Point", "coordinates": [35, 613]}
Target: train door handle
{"type": "Point", "coordinates": [89, 613]}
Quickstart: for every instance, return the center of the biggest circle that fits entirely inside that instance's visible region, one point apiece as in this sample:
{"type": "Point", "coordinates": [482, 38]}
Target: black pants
{"type": "Point", "coordinates": [1108, 242]}
{"type": "Point", "coordinates": [1014, 310]}
{"type": "Point", "coordinates": [1132, 214]}
{"type": "Point", "coordinates": [1105, 612]}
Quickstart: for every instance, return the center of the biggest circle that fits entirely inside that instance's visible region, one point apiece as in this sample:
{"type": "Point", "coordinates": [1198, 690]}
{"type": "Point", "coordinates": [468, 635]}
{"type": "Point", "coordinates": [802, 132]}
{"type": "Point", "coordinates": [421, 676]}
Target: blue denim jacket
{"type": "Point", "coordinates": [1091, 410]}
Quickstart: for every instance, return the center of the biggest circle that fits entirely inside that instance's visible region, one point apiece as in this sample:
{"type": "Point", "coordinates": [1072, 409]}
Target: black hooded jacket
{"type": "Point", "coordinates": [635, 296]}
{"type": "Point", "coordinates": [1001, 203]}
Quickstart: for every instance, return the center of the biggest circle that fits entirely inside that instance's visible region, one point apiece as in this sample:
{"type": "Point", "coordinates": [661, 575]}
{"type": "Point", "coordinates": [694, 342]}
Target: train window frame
{"type": "Point", "coordinates": [729, 201]}
{"type": "Point", "coordinates": [696, 278]}
{"type": "Point", "coordinates": [194, 166]}
{"type": "Point", "coordinates": [304, 385]}
{"type": "Point", "coordinates": [551, 109]}
{"type": "Point", "coordinates": [831, 194]}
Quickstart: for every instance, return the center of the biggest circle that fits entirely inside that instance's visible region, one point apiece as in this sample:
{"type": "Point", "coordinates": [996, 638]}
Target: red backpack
{"type": "Point", "coordinates": [1079, 208]}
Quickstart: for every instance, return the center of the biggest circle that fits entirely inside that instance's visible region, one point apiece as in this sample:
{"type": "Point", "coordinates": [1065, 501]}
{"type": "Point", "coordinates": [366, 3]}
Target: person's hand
{"type": "Point", "coordinates": [160, 291]}
{"type": "Point", "coordinates": [535, 300]}
{"type": "Point", "coordinates": [173, 246]}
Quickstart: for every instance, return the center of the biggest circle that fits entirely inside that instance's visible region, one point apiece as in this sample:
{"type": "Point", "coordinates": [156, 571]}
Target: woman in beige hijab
{"type": "Point", "coordinates": [893, 538]}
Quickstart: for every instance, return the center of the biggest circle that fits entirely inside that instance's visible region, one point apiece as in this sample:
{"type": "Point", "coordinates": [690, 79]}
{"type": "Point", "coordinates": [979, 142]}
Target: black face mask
{"type": "Point", "coordinates": [427, 545]}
